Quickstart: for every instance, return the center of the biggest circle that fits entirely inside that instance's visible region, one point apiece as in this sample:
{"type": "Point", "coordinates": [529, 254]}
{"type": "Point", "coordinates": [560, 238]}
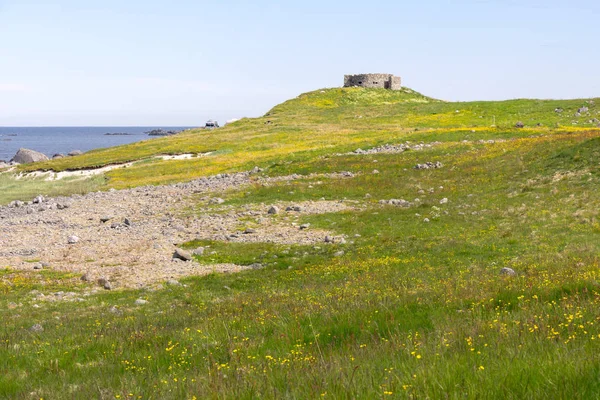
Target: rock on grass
{"type": "Point", "coordinates": [181, 254]}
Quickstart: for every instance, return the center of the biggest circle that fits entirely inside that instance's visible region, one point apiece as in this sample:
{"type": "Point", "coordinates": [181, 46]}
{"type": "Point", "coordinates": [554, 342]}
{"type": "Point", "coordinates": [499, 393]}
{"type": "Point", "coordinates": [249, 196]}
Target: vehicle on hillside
{"type": "Point", "coordinates": [211, 124]}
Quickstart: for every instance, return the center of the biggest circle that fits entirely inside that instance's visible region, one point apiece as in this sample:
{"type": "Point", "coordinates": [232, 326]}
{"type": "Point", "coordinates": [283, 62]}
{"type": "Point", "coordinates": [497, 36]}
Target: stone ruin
{"type": "Point", "coordinates": [383, 81]}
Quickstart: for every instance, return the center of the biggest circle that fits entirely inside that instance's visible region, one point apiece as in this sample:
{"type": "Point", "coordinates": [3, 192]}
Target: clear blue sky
{"type": "Point", "coordinates": [181, 62]}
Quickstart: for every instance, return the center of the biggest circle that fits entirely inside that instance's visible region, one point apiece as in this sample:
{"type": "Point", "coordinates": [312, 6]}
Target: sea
{"type": "Point", "coordinates": [54, 140]}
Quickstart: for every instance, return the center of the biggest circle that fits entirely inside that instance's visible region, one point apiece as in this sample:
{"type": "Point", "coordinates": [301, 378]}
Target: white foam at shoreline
{"type": "Point", "coordinates": [85, 173]}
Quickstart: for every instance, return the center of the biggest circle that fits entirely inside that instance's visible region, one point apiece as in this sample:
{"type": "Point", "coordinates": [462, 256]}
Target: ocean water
{"type": "Point", "coordinates": [53, 140]}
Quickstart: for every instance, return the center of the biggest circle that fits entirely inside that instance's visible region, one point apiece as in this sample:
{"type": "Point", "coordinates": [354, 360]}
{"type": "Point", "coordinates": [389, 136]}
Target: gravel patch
{"type": "Point", "coordinates": [128, 238]}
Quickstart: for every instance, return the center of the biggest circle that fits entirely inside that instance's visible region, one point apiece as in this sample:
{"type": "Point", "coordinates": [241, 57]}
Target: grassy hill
{"type": "Point", "coordinates": [326, 121]}
{"type": "Point", "coordinates": [413, 305]}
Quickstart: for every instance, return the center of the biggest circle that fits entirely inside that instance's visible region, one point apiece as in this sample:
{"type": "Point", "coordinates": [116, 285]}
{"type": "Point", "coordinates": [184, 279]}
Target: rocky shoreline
{"type": "Point", "coordinates": [26, 156]}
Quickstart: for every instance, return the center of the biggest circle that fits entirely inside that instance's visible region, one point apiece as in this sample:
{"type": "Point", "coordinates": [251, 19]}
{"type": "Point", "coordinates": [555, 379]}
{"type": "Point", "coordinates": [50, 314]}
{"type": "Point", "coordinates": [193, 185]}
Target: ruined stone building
{"type": "Point", "coordinates": [384, 81]}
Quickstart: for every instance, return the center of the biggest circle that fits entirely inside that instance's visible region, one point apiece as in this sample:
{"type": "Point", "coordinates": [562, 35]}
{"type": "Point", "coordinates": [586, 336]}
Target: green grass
{"type": "Point", "coordinates": [268, 255]}
{"type": "Point", "coordinates": [411, 309]}
{"type": "Point", "coordinates": [326, 121]}
{"type": "Point", "coordinates": [28, 187]}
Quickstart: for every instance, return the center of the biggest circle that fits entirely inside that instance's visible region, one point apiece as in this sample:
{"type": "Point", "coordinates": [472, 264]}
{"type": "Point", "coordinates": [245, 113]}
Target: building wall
{"type": "Point", "coordinates": [395, 83]}
{"type": "Point", "coordinates": [384, 81]}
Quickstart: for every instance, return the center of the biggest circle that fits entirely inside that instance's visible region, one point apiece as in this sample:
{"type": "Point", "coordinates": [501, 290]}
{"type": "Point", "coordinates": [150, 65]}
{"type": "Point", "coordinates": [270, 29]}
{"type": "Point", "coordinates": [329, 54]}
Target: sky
{"type": "Point", "coordinates": [181, 62]}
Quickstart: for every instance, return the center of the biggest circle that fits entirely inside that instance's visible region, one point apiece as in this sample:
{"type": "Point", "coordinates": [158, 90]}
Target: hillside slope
{"type": "Point", "coordinates": [444, 259]}
{"type": "Point", "coordinates": [325, 121]}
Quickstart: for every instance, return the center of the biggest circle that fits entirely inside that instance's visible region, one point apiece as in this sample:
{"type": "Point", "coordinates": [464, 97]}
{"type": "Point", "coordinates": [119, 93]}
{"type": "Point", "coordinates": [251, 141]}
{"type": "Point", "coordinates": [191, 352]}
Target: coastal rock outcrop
{"type": "Point", "coordinates": [161, 132]}
{"type": "Point", "coordinates": [25, 156]}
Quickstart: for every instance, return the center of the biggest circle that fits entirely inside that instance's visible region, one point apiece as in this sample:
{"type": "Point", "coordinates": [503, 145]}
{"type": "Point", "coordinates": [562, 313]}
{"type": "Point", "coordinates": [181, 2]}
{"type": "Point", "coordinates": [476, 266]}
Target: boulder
{"type": "Point", "coordinates": [72, 239]}
{"type": "Point", "coordinates": [75, 153]}
{"type": "Point", "coordinates": [25, 156]}
{"type": "Point", "coordinates": [105, 283]}
{"type": "Point", "coordinates": [583, 110]}
{"type": "Point", "coordinates": [181, 254]}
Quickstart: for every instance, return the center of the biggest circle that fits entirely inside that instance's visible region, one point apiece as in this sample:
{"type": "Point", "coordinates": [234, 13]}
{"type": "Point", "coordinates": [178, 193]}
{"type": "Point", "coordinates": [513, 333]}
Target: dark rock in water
{"type": "Point", "coordinates": [160, 132]}
{"type": "Point", "coordinates": [118, 134]}
{"type": "Point", "coordinates": [25, 156]}
{"type": "Point", "coordinates": [75, 153]}
{"type": "Point", "coordinates": [57, 156]}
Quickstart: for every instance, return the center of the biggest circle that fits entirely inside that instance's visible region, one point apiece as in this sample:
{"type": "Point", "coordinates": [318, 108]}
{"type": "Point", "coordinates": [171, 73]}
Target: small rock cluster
{"type": "Point", "coordinates": [394, 148]}
{"type": "Point", "coordinates": [38, 204]}
{"type": "Point", "coordinates": [335, 239]}
{"type": "Point", "coordinates": [396, 202]}
{"type": "Point", "coordinates": [429, 165]}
